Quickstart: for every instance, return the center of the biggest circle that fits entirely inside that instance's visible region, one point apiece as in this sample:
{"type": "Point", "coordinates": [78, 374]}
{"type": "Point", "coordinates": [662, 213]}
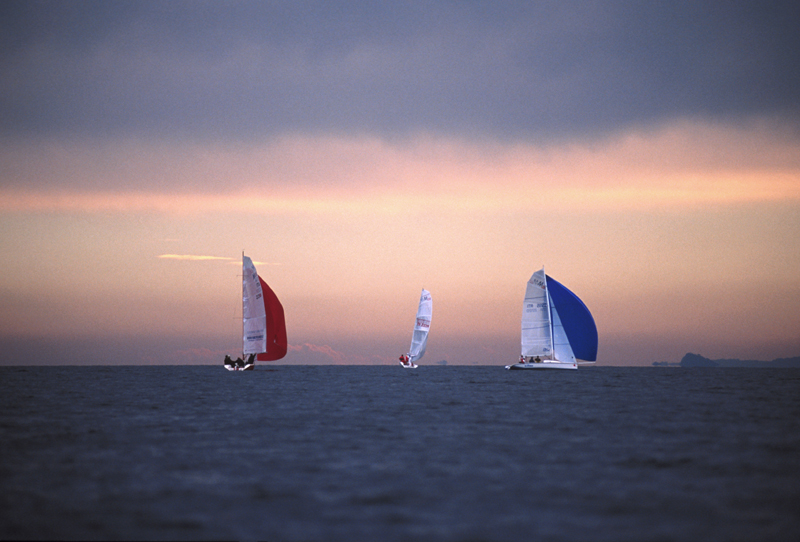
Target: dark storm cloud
{"type": "Point", "coordinates": [505, 69]}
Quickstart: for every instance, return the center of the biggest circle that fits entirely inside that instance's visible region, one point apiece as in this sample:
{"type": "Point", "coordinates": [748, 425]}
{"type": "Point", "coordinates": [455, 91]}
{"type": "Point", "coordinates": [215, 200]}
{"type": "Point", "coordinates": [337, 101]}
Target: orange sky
{"type": "Point", "coordinates": [679, 239]}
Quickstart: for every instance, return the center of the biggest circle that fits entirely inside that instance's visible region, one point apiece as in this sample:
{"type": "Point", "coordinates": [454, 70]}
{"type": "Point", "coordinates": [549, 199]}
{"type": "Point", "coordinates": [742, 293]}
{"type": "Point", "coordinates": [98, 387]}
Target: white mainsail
{"type": "Point", "coordinates": [254, 317]}
{"type": "Point", "coordinates": [419, 339]}
{"type": "Point", "coordinates": [536, 336]}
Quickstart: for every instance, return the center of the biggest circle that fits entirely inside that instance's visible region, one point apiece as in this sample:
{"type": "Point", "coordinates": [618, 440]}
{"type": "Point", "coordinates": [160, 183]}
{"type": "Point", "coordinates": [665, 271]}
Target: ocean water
{"type": "Point", "coordinates": [382, 453]}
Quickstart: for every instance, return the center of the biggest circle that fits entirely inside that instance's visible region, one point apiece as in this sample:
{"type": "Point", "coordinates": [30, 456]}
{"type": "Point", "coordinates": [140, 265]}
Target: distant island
{"type": "Point", "coordinates": [696, 360]}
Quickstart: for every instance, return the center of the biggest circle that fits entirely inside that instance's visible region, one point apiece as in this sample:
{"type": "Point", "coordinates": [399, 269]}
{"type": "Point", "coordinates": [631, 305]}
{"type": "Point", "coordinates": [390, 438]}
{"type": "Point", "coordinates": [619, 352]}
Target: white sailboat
{"type": "Point", "coordinates": [557, 329]}
{"type": "Point", "coordinates": [419, 338]}
{"type": "Point", "coordinates": [263, 323]}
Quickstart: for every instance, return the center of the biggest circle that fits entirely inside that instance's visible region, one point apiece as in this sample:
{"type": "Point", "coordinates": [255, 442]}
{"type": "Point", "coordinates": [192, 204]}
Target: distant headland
{"type": "Point", "coordinates": [696, 360]}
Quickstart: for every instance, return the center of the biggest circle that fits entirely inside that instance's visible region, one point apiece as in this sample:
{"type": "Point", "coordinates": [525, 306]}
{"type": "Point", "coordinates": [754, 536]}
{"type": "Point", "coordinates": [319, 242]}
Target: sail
{"type": "Point", "coordinates": [264, 327]}
{"type": "Point", "coordinates": [276, 326]}
{"type": "Point", "coordinates": [577, 321]}
{"type": "Point", "coordinates": [536, 337]}
{"type": "Point", "coordinates": [419, 339]}
{"type": "Point", "coordinates": [562, 351]}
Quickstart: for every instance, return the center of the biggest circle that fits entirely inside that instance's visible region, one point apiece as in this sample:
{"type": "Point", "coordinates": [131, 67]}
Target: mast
{"type": "Point", "coordinates": [549, 316]}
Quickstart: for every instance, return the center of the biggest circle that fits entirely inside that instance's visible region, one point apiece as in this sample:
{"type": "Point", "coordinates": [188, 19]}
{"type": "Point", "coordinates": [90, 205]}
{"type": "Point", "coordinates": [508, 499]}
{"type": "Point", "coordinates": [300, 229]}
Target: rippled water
{"type": "Point", "coordinates": [383, 453]}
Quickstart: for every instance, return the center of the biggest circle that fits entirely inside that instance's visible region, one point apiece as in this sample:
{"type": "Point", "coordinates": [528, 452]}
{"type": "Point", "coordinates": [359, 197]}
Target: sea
{"type": "Point", "coordinates": [382, 453]}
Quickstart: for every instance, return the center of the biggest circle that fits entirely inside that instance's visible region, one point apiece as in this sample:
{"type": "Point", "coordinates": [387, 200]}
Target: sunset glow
{"type": "Point", "coordinates": [677, 226]}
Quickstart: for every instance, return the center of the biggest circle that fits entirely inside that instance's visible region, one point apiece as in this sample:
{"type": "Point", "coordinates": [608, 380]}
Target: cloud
{"type": "Point", "coordinates": [191, 257]}
{"type": "Point", "coordinates": [675, 165]}
{"type": "Point", "coordinates": [199, 258]}
{"type": "Point", "coordinates": [516, 70]}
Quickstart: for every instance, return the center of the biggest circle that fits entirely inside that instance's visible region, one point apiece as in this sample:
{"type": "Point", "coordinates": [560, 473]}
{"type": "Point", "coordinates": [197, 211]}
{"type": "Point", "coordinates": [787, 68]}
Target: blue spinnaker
{"type": "Point", "coordinates": [576, 319]}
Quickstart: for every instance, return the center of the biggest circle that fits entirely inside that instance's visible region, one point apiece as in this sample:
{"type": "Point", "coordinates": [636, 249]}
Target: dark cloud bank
{"type": "Point", "coordinates": [530, 70]}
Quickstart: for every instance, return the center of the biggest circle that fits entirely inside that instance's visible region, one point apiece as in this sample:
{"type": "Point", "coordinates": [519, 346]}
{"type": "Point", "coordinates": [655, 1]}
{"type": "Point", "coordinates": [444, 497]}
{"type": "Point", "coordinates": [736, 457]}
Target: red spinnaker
{"type": "Point", "coordinates": [276, 325]}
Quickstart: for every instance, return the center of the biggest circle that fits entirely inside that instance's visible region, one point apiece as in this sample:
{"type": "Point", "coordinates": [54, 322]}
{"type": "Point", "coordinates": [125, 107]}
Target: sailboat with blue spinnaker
{"type": "Point", "coordinates": [557, 328]}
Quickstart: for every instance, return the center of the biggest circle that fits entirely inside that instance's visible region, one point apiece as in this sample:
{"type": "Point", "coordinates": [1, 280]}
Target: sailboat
{"type": "Point", "coordinates": [419, 338]}
{"type": "Point", "coordinates": [557, 328]}
{"type": "Point", "coordinates": [263, 324]}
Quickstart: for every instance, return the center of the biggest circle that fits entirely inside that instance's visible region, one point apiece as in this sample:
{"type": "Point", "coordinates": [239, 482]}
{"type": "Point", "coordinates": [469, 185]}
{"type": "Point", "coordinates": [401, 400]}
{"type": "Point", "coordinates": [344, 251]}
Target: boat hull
{"type": "Point", "coordinates": [235, 368]}
{"type": "Point", "coordinates": [543, 365]}
{"type": "Point", "coordinates": [409, 366]}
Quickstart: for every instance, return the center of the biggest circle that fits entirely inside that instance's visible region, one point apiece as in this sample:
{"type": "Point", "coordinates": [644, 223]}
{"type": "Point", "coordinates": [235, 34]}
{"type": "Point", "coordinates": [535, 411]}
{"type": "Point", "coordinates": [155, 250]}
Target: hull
{"type": "Point", "coordinates": [409, 366]}
{"type": "Point", "coordinates": [543, 365]}
{"type": "Point", "coordinates": [235, 368]}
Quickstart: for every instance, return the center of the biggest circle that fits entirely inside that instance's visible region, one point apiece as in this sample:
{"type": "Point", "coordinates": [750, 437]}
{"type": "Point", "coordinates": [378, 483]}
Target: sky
{"type": "Point", "coordinates": [647, 154]}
